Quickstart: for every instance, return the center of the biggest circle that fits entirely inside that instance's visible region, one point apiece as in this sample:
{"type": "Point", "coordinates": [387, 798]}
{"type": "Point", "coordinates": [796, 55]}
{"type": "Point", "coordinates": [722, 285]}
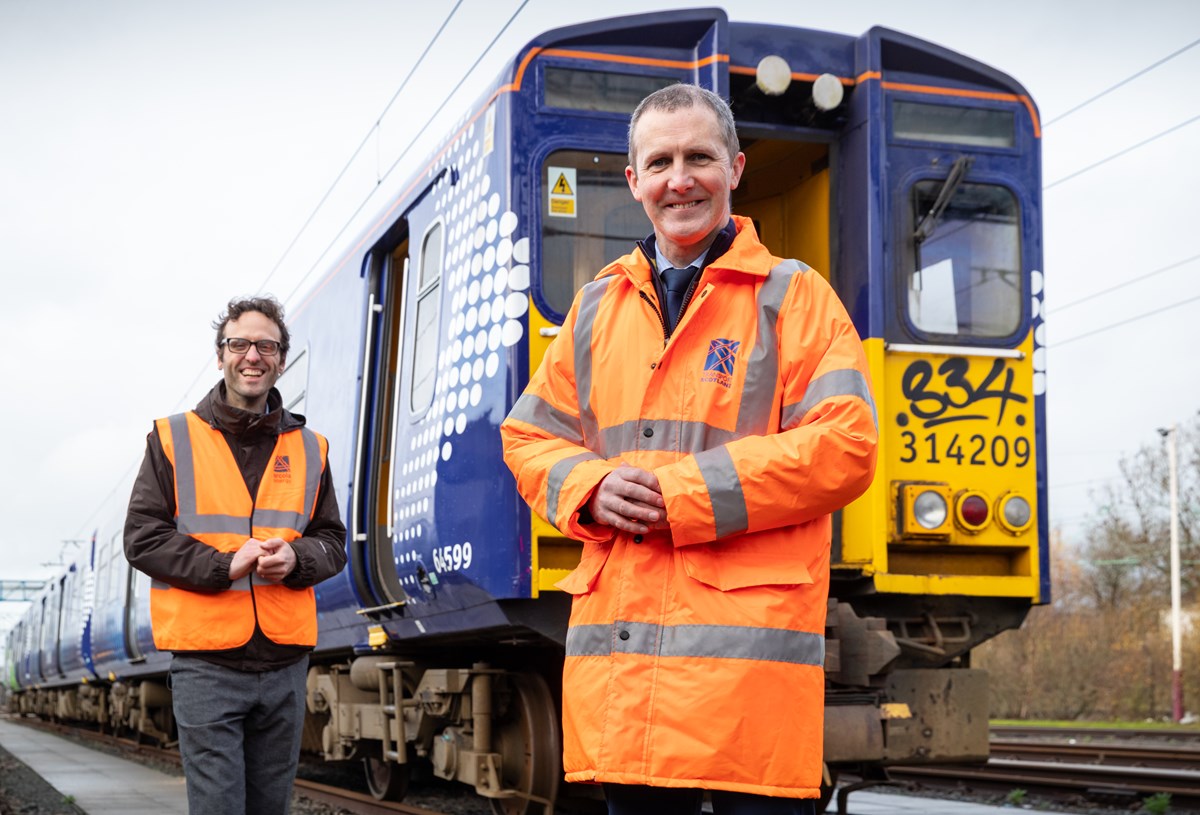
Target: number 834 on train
{"type": "Point", "coordinates": [905, 172]}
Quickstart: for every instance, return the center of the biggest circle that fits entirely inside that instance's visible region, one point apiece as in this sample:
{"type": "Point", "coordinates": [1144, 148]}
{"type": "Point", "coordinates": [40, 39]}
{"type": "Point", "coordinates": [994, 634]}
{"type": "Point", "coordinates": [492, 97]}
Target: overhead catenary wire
{"type": "Point", "coordinates": [1128, 282]}
{"type": "Point", "coordinates": [354, 215]}
{"type": "Point", "coordinates": [1124, 81]}
{"type": "Point", "coordinates": [372, 131]}
{"type": "Point", "coordinates": [1061, 343]}
{"type": "Point", "coordinates": [1121, 153]}
{"type": "Point", "coordinates": [205, 367]}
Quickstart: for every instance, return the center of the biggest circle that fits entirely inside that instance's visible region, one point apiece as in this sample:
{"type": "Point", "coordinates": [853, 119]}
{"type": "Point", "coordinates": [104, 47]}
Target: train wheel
{"type": "Point", "coordinates": [530, 749]}
{"type": "Point", "coordinates": [386, 780]}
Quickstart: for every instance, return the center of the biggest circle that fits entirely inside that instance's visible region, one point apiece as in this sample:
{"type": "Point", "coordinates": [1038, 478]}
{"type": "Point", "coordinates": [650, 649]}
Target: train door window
{"type": "Point", "coordinates": [118, 567]}
{"type": "Point", "coordinates": [964, 260]}
{"type": "Point", "coordinates": [589, 220]}
{"type": "Point", "coordinates": [293, 383]}
{"type": "Point", "coordinates": [425, 337]}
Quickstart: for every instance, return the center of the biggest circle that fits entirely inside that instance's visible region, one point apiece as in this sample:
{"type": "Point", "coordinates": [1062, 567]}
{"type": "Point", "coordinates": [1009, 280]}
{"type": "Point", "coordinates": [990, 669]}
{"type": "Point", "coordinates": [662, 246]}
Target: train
{"type": "Point", "coordinates": [907, 174]}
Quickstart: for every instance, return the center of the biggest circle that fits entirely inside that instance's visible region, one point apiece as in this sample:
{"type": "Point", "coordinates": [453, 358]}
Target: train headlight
{"type": "Point", "coordinates": [773, 75]}
{"type": "Point", "coordinates": [1014, 513]}
{"type": "Point", "coordinates": [827, 92]}
{"type": "Point", "coordinates": [924, 510]}
{"type": "Point", "coordinates": [972, 511]}
{"type": "Point", "coordinates": [929, 510]}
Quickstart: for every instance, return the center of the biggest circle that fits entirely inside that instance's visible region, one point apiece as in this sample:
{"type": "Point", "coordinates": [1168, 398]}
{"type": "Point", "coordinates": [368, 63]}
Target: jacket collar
{"type": "Point", "coordinates": [220, 415]}
{"type": "Point", "coordinates": [735, 249]}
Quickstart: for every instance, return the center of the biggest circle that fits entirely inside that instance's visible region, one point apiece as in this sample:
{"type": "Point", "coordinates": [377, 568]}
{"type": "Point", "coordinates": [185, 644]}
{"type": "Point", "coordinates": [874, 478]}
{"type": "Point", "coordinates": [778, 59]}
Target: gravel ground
{"type": "Point", "coordinates": [23, 792]}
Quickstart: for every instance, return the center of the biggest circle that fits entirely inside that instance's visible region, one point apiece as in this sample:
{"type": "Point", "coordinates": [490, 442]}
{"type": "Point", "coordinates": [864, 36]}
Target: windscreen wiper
{"type": "Point", "coordinates": [930, 220]}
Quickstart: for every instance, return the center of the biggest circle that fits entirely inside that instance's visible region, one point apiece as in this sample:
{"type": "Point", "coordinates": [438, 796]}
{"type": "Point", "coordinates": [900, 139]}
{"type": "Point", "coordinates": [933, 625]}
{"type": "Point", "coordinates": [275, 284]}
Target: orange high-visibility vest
{"type": "Point", "coordinates": [694, 657]}
{"type": "Point", "coordinates": [213, 505]}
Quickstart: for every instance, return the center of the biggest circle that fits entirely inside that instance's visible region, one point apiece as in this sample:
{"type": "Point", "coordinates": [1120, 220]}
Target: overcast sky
{"type": "Point", "coordinates": [158, 158]}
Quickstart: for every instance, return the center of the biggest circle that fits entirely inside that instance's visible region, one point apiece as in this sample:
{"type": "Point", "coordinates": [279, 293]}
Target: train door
{"type": "Point", "coordinates": [133, 587]}
{"type": "Point", "coordinates": [382, 401]}
{"type": "Point", "coordinates": [67, 642]}
{"type": "Point", "coordinates": [785, 189]}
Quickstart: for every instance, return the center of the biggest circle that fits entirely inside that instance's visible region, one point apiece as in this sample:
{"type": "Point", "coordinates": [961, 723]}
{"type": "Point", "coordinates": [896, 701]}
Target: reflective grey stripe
{"type": "Point", "coordinates": [724, 491]}
{"type": "Point", "coordinates": [585, 323]}
{"type": "Point", "coordinates": [280, 519]}
{"type": "Point", "coordinates": [213, 524]}
{"type": "Point", "coordinates": [189, 521]}
{"type": "Point", "coordinates": [558, 477]}
{"type": "Point", "coordinates": [312, 474]}
{"type": "Point", "coordinates": [669, 434]}
{"type": "Point", "coordinates": [536, 411]}
{"type": "Point", "coordinates": [714, 641]}
{"type": "Point", "coordinates": [241, 584]}
{"type": "Point", "coordinates": [762, 365]}
{"type": "Point", "coordinates": [846, 382]}
{"type": "Point", "coordinates": [185, 473]}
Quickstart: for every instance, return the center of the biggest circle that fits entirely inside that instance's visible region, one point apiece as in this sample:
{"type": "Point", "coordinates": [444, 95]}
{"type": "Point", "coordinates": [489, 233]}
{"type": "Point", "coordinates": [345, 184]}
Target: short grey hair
{"type": "Point", "coordinates": [679, 96]}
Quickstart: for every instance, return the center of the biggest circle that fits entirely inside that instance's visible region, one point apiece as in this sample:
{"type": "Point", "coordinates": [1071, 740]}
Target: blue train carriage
{"type": "Point", "coordinates": [907, 173]}
{"type": "Point", "coordinates": [49, 649]}
{"type": "Point", "coordinates": [134, 700]}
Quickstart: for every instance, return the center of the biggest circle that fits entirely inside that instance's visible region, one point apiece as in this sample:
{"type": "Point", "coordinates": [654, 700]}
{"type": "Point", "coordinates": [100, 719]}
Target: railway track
{"type": "Point", "coordinates": [1113, 766]}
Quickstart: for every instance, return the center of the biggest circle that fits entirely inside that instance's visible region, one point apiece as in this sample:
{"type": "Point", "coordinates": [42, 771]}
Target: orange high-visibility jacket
{"type": "Point", "coordinates": [213, 505]}
{"type": "Point", "coordinates": [695, 658]}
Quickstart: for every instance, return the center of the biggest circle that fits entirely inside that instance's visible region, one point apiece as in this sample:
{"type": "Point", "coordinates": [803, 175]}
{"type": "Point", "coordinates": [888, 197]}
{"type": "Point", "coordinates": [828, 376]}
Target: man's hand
{"type": "Point", "coordinates": [277, 561]}
{"type": "Point", "coordinates": [246, 558]}
{"type": "Point", "coordinates": [272, 560]}
{"type": "Point", "coordinates": [629, 499]}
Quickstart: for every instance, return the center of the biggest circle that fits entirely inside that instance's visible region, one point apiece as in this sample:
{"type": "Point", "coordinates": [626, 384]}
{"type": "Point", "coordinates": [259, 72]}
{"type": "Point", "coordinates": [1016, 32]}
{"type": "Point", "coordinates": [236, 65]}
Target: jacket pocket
{"type": "Point", "coordinates": [769, 558]}
{"type": "Point", "coordinates": [581, 580]}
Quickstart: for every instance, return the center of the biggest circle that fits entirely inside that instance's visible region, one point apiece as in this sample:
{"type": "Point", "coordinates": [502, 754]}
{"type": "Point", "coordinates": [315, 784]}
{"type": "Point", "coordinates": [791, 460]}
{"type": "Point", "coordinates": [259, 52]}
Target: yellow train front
{"type": "Point", "coordinates": [910, 176]}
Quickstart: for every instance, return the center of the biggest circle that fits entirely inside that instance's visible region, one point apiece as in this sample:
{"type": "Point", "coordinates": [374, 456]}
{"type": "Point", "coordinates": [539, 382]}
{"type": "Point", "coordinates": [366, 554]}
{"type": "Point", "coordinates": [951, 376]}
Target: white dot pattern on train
{"type": "Point", "coordinates": [485, 272]}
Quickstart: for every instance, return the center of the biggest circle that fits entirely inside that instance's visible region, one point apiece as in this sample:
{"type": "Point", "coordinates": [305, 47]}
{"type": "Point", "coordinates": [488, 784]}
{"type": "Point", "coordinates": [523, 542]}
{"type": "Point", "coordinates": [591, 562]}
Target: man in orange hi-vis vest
{"type": "Point", "coordinates": [234, 518]}
{"type": "Point", "coordinates": [704, 408]}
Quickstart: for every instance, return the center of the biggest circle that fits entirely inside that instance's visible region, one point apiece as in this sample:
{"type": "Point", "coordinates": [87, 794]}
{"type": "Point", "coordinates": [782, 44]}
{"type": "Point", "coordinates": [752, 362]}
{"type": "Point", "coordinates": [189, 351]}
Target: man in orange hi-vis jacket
{"type": "Point", "coordinates": [703, 410]}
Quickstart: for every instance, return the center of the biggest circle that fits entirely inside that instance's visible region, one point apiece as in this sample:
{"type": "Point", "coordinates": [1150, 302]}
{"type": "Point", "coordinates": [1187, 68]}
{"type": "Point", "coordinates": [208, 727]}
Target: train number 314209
{"type": "Point", "coordinates": [975, 450]}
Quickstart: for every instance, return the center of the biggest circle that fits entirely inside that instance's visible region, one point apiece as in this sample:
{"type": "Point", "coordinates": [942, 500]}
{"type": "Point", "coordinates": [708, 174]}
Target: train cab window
{"type": "Point", "coordinates": [604, 91]}
{"type": "Point", "coordinates": [588, 220]}
{"type": "Point", "coordinates": [964, 274]}
{"type": "Point", "coordinates": [978, 127]}
{"type": "Point", "coordinates": [425, 339]}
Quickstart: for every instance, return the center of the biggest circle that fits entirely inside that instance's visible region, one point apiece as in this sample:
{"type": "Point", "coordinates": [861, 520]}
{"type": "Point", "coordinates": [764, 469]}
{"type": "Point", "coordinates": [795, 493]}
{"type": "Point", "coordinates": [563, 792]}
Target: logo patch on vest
{"type": "Point", "coordinates": [282, 468]}
{"type": "Point", "coordinates": [718, 366]}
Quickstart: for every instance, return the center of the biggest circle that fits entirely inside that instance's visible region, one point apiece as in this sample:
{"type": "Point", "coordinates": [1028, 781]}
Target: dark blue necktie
{"type": "Point", "coordinates": [676, 282]}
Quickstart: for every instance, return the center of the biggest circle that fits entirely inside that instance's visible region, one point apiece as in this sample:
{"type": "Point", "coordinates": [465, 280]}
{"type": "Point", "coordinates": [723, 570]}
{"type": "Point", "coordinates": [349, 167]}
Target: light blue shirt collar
{"type": "Point", "coordinates": [662, 263]}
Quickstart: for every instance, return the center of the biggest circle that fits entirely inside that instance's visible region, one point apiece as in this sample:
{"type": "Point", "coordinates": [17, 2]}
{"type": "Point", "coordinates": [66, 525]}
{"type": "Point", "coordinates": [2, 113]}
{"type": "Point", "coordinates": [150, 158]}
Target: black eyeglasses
{"type": "Point", "coordinates": [267, 348]}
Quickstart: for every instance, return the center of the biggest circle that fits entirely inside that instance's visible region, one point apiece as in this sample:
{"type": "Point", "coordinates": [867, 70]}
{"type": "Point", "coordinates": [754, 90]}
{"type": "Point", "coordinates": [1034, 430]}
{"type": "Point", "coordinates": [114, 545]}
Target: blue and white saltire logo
{"type": "Point", "coordinates": [718, 366]}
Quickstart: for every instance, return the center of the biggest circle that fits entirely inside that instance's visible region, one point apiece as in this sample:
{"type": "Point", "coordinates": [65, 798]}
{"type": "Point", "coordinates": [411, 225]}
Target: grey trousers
{"type": "Point", "coordinates": [239, 735]}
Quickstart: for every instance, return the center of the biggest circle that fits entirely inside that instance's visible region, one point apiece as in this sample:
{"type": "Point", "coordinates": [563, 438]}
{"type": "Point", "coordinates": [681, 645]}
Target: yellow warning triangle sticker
{"type": "Point", "coordinates": [561, 187]}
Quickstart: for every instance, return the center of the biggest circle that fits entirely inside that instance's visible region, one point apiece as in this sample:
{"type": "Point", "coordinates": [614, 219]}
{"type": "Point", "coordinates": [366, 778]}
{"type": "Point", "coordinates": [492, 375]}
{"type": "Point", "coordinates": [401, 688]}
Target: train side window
{"type": "Point", "coordinates": [964, 271]}
{"type": "Point", "coordinates": [588, 220]}
{"type": "Point", "coordinates": [293, 383]}
{"type": "Point", "coordinates": [425, 338]}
